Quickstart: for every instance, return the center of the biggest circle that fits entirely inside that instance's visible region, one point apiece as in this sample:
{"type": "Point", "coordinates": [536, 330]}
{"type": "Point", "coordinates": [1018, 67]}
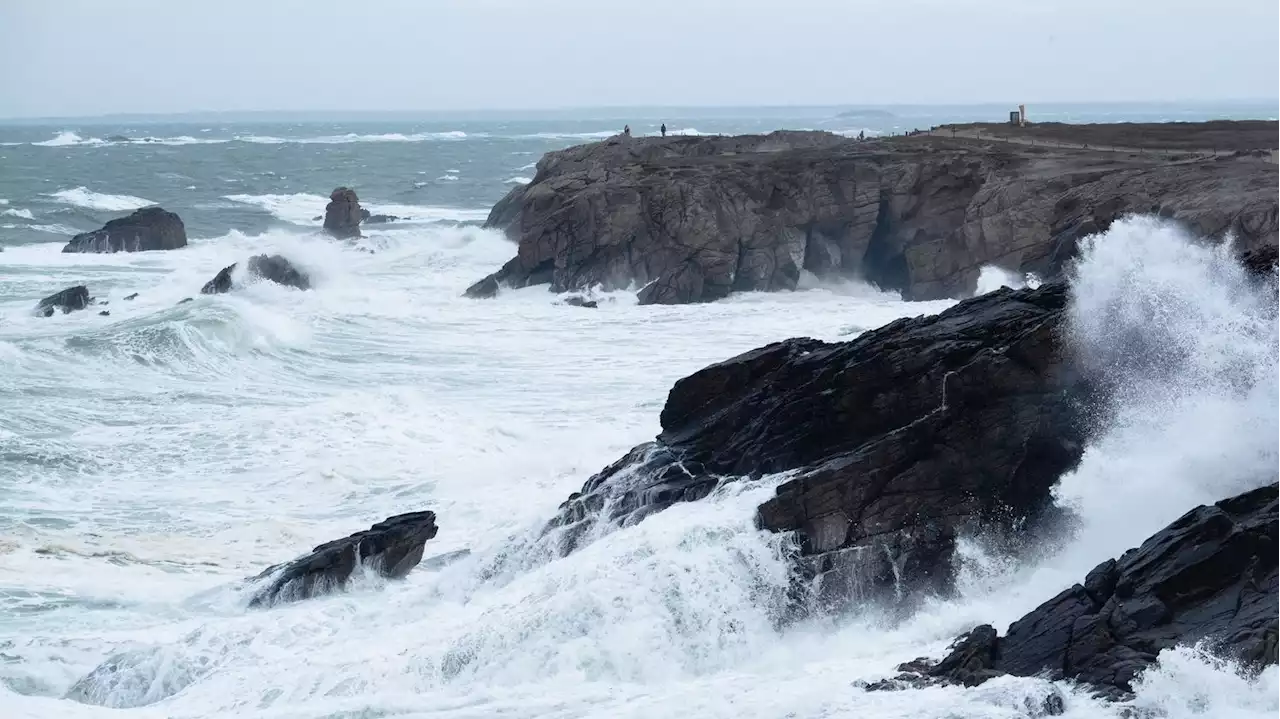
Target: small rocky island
{"type": "Point", "coordinates": [692, 219]}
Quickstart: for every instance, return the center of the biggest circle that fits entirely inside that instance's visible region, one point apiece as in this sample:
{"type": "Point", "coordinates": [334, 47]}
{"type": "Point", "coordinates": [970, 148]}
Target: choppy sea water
{"type": "Point", "coordinates": [152, 459]}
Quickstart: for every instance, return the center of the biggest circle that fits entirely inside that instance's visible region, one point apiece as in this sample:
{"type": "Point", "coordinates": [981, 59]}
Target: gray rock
{"type": "Point", "coordinates": [691, 219]}
{"type": "Point", "coordinates": [68, 300]}
{"type": "Point", "coordinates": [151, 228]}
{"type": "Point", "coordinates": [269, 267]}
{"type": "Point", "coordinates": [391, 548]}
{"type": "Point", "coordinates": [1212, 574]}
{"type": "Point", "coordinates": [343, 213]}
{"type": "Point", "coordinates": [899, 439]}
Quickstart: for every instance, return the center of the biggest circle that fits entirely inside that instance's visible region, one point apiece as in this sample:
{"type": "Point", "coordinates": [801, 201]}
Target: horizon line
{"type": "Point", "coordinates": [613, 108]}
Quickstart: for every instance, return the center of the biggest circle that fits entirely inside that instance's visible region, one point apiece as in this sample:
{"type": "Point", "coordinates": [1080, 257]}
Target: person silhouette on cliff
{"type": "Point", "coordinates": [664, 129]}
{"type": "Point", "coordinates": [626, 130]}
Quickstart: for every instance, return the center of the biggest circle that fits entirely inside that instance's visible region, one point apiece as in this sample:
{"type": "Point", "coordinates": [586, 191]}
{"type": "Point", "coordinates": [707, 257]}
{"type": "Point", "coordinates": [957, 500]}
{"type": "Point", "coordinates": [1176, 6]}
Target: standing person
{"type": "Point", "coordinates": [664, 129]}
{"type": "Point", "coordinates": [626, 130]}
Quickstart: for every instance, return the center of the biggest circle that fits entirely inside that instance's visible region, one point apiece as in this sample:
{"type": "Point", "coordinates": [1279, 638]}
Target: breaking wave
{"type": "Point", "coordinates": [308, 210]}
{"type": "Point", "coordinates": [84, 197]}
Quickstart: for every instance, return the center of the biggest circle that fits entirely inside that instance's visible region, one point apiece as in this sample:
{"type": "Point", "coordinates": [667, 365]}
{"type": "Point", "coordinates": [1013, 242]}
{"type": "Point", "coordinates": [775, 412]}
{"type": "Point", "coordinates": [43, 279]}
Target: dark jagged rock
{"type": "Point", "coordinates": [391, 548]}
{"type": "Point", "coordinates": [1209, 575]}
{"type": "Point", "coordinates": [151, 228]}
{"type": "Point", "coordinates": [900, 439]}
{"type": "Point", "coordinates": [185, 300]}
{"type": "Point", "coordinates": [68, 300]}
{"type": "Point", "coordinates": [221, 282]}
{"type": "Point", "coordinates": [692, 219]}
{"type": "Point", "coordinates": [1261, 260]}
{"type": "Point", "coordinates": [131, 297]}
{"type": "Point", "coordinates": [279, 270]}
{"type": "Point", "coordinates": [105, 313]}
{"type": "Point", "coordinates": [484, 289]}
{"type": "Point", "coordinates": [343, 213]}
{"type": "Point", "coordinates": [270, 267]}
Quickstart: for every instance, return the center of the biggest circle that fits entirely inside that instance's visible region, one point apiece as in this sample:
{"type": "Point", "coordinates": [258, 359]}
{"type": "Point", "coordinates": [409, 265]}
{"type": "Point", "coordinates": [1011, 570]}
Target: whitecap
{"type": "Point", "coordinates": [24, 214]}
{"type": "Point", "coordinates": [518, 180]}
{"type": "Point", "coordinates": [303, 209]}
{"type": "Point", "coordinates": [66, 138]}
{"type": "Point", "coordinates": [352, 137]}
{"type": "Point", "coordinates": [84, 197]}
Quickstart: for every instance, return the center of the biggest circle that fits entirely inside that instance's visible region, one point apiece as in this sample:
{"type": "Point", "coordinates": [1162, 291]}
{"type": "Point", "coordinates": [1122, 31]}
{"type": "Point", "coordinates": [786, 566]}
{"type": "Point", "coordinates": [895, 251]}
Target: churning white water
{"type": "Point", "coordinates": [156, 457]}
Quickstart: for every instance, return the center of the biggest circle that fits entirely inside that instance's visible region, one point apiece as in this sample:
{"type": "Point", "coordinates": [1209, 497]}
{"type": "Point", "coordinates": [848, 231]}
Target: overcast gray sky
{"type": "Point", "coordinates": [85, 57]}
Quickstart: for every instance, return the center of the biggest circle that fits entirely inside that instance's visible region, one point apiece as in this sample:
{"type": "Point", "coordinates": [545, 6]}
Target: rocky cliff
{"type": "Point", "coordinates": [900, 439]}
{"type": "Point", "coordinates": [1211, 575]}
{"type": "Point", "coordinates": [690, 219]}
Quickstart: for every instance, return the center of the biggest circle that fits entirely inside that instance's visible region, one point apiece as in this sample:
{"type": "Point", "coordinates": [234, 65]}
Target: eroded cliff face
{"type": "Point", "coordinates": [899, 441]}
{"type": "Point", "coordinates": [692, 219]}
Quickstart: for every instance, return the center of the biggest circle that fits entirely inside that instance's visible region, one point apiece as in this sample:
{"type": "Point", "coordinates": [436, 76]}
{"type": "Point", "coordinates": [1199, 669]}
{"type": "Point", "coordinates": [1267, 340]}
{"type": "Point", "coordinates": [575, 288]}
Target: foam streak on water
{"type": "Point", "coordinates": [156, 457]}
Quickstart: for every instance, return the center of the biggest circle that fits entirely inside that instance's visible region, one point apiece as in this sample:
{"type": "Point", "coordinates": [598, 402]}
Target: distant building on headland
{"type": "Point", "coordinates": [1018, 118]}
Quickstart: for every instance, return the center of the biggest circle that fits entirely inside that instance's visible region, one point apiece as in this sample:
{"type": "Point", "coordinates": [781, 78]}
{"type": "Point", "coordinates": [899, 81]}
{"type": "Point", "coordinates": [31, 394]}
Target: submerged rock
{"type": "Point", "coordinates": [68, 300]}
{"type": "Point", "coordinates": [579, 301]}
{"type": "Point", "coordinates": [343, 213]}
{"type": "Point", "coordinates": [138, 678]}
{"type": "Point", "coordinates": [369, 218]}
{"type": "Point", "coordinates": [269, 267]}
{"type": "Point", "coordinates": [692, 219]}
{"type": "Point", "coordinates": [1211, 575]}
{"type": "Point", "coordinates": [391, 548]}
{"type": "Point", "coordinates": [131, 297]}
{"type": "Point", "coordinates": [899, 439]}
{"type": "Point", "coordinates": [151, 228]}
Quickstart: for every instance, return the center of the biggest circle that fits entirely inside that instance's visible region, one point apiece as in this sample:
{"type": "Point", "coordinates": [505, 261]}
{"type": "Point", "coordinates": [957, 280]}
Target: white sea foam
{"type": "Point", "coordinates": [84, 197]}
{"type": "Point", "coordinates": [991, 278]}
{"type": "Point", "coordinates": [18, 212]}
{"type": "Point", "coordinates": [353, 137]}
{"type": "Point", "coordinates": [518, 180]}
{"type": "Point", "coordinates": [67, 138]}
{"type": "Point", "coordinates": [304, 209]}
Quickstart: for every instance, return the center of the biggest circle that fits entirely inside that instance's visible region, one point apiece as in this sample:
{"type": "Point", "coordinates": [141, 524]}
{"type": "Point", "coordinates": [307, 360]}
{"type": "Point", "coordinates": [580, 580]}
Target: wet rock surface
{"type": "Point", "coordinates": [899, 439]}
{"type": "Point", "coordinates": [268, 267]}
{"type": "Point", "coordinates": [390, 548]}
{"type": "Point", "coordinates": [343, 214]}
{"type": "Point", "coordinates": [68, 300]}
{"type": "Point", "coordinates": [1211, 575]}
{"type": "Point", "coordinates": [151, 228]}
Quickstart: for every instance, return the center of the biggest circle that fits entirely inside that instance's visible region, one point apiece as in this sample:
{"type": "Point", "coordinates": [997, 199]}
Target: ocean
{"type": "Point", "coordinates": [152, 459]}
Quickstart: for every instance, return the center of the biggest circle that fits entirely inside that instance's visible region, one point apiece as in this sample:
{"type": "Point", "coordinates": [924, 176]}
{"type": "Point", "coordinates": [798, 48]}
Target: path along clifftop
{"type": "Point", "coordinates": [692, 219]}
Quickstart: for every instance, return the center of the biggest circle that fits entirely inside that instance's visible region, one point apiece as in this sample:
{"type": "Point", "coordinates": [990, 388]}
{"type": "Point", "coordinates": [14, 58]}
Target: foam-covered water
{"type": "Point", "coordinates": [152, 459]}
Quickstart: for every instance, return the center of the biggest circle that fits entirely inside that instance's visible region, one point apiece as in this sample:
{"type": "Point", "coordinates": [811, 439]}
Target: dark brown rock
{"type": "Point", "coordinates": [691, 219]}
{"type": "Point", "coordinates": [68, 300]}
{"type": "Point", "coordinates": [343, 214]}
{"type": "Point", "coordinates": [151, 228]}
{"type": "Point", "coordinates": [390, 548]}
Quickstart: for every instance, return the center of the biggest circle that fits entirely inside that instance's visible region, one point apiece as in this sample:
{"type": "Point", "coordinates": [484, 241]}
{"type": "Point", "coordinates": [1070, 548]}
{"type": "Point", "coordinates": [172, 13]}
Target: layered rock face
{"type": "Point", "coordinates": [391, 548]}
{"type": "Point", "coordinates": [343, 214]}
{"type": "Point", "coordinates": [151, 228]}
{"type": "Point", "coordinates": [1209, 575]}
{"type": "Point", "coordinates": [692, 219]}
{"type": "Point", "coordinates": [900, 438]}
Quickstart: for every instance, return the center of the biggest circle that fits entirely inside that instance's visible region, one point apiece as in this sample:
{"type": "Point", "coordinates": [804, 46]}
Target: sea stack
{"type": "Point", "coordinates": [151, 228]}
{"type": "Point", "coordinates": [343, 213]}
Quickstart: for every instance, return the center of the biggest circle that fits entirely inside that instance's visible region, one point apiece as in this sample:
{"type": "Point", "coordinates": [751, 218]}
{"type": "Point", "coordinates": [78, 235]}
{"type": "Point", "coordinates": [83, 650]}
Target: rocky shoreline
{"type": "Point", "coordinates": [693, 219]}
